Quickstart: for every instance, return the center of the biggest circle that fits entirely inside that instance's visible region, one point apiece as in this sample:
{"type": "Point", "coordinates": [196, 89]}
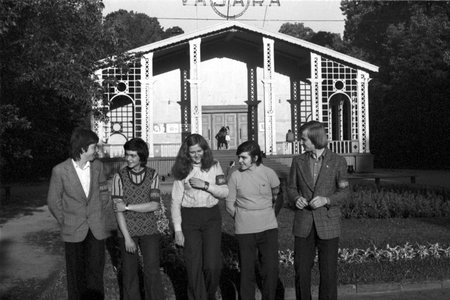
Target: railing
{"type": "Point", "coordinates": [341, 147]}
{"type": "Point", "coordinates": [283, 148]}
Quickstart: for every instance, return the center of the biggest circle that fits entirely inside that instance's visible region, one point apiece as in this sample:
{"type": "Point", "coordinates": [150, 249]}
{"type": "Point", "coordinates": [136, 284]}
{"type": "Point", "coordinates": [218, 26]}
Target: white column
{"type": "Point", "coordinates": [269, 97]}
{"type": "Point", "coordinates": [194, 85]}
{"type": "Point", "coordinates": [147, 100]}
{"type": "Point", "coordinates": [316, 87]}
{"type": "Point", "coordinates": [363, 111]}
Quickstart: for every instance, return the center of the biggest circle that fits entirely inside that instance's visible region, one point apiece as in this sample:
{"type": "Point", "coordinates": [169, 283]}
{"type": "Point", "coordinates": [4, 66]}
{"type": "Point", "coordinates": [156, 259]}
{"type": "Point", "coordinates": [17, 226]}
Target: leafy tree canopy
{"type": "Point", "coordinates": [323, 38]}
{"type": "Point", "coordinates": [409, 41]}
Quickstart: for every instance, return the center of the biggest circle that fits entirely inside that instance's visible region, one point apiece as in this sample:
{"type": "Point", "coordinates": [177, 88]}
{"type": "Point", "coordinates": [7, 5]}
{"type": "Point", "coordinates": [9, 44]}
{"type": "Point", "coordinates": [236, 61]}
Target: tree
{"type": "Point", "coordinates": [48, 50]}
{"type": "Point", "coordinates": [132, 30]}
{"type": "Point", "coordinates": [297, 30]}
{"type": "Point", "coordinates": [409, 41]}
{"type": "Point", "coordinates": [323, 38]}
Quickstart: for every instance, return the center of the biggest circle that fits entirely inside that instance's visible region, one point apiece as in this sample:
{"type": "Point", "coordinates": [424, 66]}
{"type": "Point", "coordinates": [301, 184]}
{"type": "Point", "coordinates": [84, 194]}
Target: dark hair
{"type": "Point", "coordinates": [316, 133]}
{"type": "Point", "coordinates": [253, 150]}
{"type": "Point", "coordinates": [80, 140]}
{"type": "Point", "coordinates": [138, 145]}
{"type": "Point", "coordinates": [183, 162]}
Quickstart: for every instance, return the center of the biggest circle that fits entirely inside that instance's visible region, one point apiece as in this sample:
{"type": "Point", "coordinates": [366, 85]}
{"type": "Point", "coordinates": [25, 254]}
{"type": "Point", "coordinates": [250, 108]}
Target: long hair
{"type": "Point", "coordinates": [80, 140]}
{"type": "Point", "coordinates": [316, 133]}
{"type": "Point", "coordinates": [141, 148]}
{"type": "Point", "coordinates": [183, 163]}
{"type": "Point", "coordinates": [253, 150]}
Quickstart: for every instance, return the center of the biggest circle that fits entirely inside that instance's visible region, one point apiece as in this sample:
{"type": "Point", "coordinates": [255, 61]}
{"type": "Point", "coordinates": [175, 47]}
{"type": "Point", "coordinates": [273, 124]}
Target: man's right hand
{"type": "Point", "coordinates": [130, 245]}
{"type": "Point", "coordinates": [179, 238]}
{"type": "Point", "coordinates": [301, 203]}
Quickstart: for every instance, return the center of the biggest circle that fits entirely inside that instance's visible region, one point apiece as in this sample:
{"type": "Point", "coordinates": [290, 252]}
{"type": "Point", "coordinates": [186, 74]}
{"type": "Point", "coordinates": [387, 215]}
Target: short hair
{"type": "Point", "coordinates": [80, 140]}
{"type": "Point", "coordinates": [138, 145]}
{"type": "Point", "coordinates": [316, 133]}
{"type": "Point", "coordinates": [253, 150]}
{"type": "Point", "coordinates": [183, 163]}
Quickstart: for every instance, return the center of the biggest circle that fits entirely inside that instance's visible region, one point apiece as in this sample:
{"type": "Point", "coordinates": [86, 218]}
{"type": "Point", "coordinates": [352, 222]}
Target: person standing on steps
{"type": "Point", "coordinates": [317, 186]}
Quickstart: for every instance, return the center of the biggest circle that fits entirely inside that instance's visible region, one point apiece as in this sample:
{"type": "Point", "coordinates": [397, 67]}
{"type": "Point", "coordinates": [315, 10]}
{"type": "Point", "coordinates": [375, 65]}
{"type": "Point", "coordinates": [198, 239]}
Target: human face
{"type": "Point", "coordinates": [308, 146]}
{"type": "Point", "coordinates": [196, 154]}
{"type": "Point", "coordinates": [133, 160]}
{"type": "Point", "coordinates": [245, 161]}
{"type": "Point", "coordinates": [90, 154]}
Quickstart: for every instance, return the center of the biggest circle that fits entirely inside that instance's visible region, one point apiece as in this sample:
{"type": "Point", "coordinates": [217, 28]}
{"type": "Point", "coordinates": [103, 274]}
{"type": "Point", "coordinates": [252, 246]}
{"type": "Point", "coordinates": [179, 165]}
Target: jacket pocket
{"type": "Point", "coordinates": [334, 213]}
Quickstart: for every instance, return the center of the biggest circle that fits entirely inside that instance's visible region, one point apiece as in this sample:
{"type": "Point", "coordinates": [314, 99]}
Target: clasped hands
{"type": "Point", "coordinates": [315, 203]}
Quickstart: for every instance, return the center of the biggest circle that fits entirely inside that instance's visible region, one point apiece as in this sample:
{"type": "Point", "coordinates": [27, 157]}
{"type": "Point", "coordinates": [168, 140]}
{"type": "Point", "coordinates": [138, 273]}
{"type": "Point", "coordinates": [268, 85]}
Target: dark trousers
{"type": "Point", "coordinates": [149, 245]}
{"type": "Point", "coordinates": [202, 230]}
{"type": "Point", "coordinates": [85, 262]}
{"type": "Point", "coordinates": [305, 252]}
{"type": "Point", "coordinates": [262, 246]}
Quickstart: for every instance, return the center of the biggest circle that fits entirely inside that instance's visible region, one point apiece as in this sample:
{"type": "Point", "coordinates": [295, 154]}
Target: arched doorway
{"type": "Point", "coordinates": [340, 128]}
{"type": "Point", "coordinates": [121, 116]}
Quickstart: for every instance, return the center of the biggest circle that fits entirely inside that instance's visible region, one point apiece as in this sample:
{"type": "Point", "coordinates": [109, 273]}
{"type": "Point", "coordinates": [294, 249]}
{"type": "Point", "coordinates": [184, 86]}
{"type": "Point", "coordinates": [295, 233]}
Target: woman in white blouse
{"type": "Point", "coordinates": [199, 184]}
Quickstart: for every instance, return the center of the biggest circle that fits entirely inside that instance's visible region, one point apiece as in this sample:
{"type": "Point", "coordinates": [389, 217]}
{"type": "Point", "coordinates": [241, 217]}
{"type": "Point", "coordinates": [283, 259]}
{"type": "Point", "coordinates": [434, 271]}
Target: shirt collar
{"type": "Point", "coordinates": [322, 156]}
{"type": "Point", "coordinates": [86, 166]}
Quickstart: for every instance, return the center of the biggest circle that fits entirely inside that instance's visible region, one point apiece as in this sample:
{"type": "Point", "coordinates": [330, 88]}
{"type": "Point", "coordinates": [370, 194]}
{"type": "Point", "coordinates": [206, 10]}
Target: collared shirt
{"type": "Point", "coordinates": [184, 195]}
{"type": "Point", "coordinates": [251, 193]}
{"type": "Point", "coordinates": [84, 174]}
{"type": "Point", "coordinates": [315, 164]}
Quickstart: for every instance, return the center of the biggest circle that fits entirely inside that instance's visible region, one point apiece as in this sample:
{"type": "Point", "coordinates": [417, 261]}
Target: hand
{"type": "Point", "coordinates": [130, 245]}
{"type": "Point", "coordinates": [317, 202]}
{"type": "Point", "coordinates": [197, 183]}
{"type": "Point", "coordinates": [119, 205]}
{"type": "Point", "coordinates": [179, 238]}
{"type": "Point", "coordinates": [301, 203]}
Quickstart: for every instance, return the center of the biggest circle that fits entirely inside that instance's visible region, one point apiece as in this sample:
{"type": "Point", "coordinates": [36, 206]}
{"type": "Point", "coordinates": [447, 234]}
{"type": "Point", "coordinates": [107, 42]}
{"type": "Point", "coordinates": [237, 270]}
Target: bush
{"type": "Point", "coordinates": [396, 202]}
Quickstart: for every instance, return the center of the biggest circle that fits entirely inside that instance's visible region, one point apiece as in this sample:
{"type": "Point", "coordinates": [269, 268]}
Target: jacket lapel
{"type": "Point", "coordinates": [305, 170]}
{"type": "Point", "coordinates": [324, 169]}
{"type": "Point", "coordinates": [94, 174]}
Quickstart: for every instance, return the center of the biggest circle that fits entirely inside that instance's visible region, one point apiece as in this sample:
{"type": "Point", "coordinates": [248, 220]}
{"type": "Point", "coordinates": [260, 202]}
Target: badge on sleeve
{"type": "Point", "coordinates": [342, 184]}
{"type": "Point", "coordinates": [220, 180]}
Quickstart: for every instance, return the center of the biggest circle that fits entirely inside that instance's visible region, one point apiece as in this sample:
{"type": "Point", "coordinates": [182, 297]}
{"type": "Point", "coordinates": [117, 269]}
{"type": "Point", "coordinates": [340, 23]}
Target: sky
{"type": "Point", "coordinates": [319, 15]}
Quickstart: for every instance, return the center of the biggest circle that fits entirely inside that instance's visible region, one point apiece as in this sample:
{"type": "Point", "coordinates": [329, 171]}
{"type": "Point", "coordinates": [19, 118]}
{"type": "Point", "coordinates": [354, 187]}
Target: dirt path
{"type": "Point", "coordinates": [24, 254]}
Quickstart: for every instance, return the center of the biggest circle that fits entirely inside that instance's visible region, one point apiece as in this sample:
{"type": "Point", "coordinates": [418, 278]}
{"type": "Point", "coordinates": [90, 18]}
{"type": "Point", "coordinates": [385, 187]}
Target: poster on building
{"type": "Point", "coordinates": [158, 128]}
{"type": "Point", "coordinates": [172, 128]}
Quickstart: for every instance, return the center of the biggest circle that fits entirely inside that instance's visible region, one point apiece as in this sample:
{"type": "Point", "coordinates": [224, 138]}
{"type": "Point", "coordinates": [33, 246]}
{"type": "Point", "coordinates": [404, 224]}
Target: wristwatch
{"type": "Point", "coordinates": [206, 187]}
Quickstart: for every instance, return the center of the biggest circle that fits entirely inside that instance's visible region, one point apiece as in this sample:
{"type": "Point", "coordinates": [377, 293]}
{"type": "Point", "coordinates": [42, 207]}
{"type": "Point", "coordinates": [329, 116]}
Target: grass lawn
{"type": "Point", "coordinates": [356, 233]}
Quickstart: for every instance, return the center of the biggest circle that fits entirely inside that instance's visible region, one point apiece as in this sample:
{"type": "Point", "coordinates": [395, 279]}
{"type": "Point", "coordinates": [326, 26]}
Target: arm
{"type": "Point", "coordinates": [117, 196]}
{"type": "Point", "coordinates": [54, 197]}
{"type": "Point", "coordinates": [294, 195]}
{"type": "Point", "coordinates": [218, 189]}
{"type": "Point", "coordinates": [175, 209]}
{"type": "Point", "coordinates": [231, 198]}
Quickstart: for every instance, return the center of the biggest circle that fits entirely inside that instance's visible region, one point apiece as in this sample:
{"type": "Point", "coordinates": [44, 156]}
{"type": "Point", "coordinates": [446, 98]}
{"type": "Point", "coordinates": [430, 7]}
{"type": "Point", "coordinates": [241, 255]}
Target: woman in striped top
{"type": "Point", "coordinates": [136, 197]}
{"type": "Point", "coordinates": [196, 217]}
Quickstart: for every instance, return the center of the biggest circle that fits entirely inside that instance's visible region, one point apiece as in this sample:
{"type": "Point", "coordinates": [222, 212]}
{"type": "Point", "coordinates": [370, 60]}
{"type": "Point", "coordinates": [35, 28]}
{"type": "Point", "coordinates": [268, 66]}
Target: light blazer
{"type": "Point", "coordinates": [75, 212]}
{"type": "Point", "coordinates": [331, 182]}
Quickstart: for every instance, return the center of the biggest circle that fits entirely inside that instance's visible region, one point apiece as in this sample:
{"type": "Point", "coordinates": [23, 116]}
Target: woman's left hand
{"type": "Point", "coordinates": [197, 183]}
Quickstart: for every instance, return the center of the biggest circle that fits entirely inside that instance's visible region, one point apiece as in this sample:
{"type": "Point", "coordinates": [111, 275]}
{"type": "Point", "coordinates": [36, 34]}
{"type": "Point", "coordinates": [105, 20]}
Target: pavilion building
{"type": "Point", "coordinates": [258, 83]}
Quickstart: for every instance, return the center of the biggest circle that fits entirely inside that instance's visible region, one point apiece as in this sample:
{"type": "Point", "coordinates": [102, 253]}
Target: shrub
{"type": "Point", "coordinates": [396, 202]}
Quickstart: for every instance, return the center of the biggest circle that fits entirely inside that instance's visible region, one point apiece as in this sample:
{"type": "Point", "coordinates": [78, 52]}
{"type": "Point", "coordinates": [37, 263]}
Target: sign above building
{"type": "Point", "coordinates": [231, 9]}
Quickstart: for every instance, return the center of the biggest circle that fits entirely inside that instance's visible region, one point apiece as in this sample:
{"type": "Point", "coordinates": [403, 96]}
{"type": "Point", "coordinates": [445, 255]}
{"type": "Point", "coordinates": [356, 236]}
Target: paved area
{"type": "Point", "coordinates": [428, 294]}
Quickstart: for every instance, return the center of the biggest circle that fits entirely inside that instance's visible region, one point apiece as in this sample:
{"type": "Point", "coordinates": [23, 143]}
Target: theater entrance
{"type": "Point", "coordinates": [216, 117]}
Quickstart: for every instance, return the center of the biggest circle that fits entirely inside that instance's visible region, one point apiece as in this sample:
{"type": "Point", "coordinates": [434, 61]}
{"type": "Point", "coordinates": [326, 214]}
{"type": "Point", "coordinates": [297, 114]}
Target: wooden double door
{"type": "Point", "coordinates": [237, 122]}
